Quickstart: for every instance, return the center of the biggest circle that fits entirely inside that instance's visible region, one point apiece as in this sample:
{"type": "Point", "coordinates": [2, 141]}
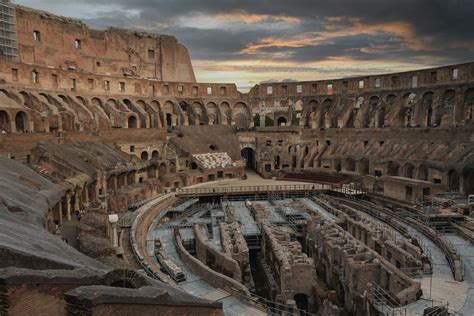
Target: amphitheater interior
{"type": "Point", "coordinates": [128, 188]}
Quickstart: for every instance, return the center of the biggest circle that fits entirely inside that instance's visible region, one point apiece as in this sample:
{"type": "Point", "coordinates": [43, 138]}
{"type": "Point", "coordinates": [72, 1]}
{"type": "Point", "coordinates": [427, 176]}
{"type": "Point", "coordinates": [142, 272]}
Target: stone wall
{"type": "Point", "coordinates": [215, 279]}
{"type": "Point", "coordinates": [219, 261]}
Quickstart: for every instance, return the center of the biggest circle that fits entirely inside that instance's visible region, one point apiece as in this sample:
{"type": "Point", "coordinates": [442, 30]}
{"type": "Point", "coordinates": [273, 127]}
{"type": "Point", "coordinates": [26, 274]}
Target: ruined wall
{"type": "Point", "coordinates": [61, 43]}
{"type": "Point", "coordinates": [221, 262]}
{"type": "Point", "coordinates": [234, 244]}
{"type": "Point", "coordinates": [292, 269]}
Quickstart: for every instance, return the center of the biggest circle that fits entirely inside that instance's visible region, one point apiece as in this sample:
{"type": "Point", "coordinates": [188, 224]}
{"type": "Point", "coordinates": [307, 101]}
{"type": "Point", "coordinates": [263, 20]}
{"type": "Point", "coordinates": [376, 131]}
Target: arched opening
{"type": "Point", "coordinates": [444, 118]}
{"type": "Point", "coordinates": [131, 178]}
{"type": "Point", "coordinates": [469, 105]}
{"type": "Point", "coordinates": [144, 155]}
{"type": "Point", "coordinates": [155, 154]}
{"type": "Point", "coordinates": [364, 166]}
{"type": "Point", "coordinates": [112, 183]}
{"type": "Point", "coordinates": [194, 165]}
{"type": "Point", "coordinates": [162, 169]}
{"type": "Point", "coordinates": [92, 191]}
{"type": "Point", "coordinates": [169, 119]}
{"type": "Point", "coordinates": [225, 113]}
{"type": "Point", "coordinates": [132, 122]}
{"type": "Point", "coordinates": [428, 109]}
{"type": "Point", "coordinates": [429, 117]}
{"type": "Point", "coordinates": [302, 302]}
{"type": "Point", "coordinates": [241, 121]}
{"type": "Point", "coordinates": [380, 117]}
{"type": "Point", "coordinates": [151, 172]}
{"type": "Point", "coordinates": [256, 120]}
{"type": "Point", "coordinates": [4, 122]}
{"type": "Point", "coordinates": [240, 115]}
{"type": "Point", "coordinates": [269, 121]}
{"type": "Point", "coordinates": [423, 173]}
{"type": "Point", "coordinates": [248, 155]}
{"type": "Point", "coordinates": [393, 168]}
{"type": "Point", "coordinates": [281, 121]}
{"type": "Point", "coordinates": [21, 122]}
{"type": "Point", "coordinates": [453, 181]}
{"type": "Point", "coordinates": [172, 167]}
{"type": "Point", "coordinates": [408, 170]}
{"type": "Point", "coordinates": [468, 180]}
{"type": "Point", "coordinates": [349, 164]}
{"type": "Point", "coordinates": [277, 162]}
{"type": "Point", "coordinates": [337, 164]}
{"type": "Point", "coordinates": [310, 114]}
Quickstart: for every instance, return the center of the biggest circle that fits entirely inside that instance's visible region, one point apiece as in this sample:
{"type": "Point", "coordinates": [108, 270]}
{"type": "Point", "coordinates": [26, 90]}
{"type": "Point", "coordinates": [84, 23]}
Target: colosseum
{"type": "Point", "coordinates": [129, 188]}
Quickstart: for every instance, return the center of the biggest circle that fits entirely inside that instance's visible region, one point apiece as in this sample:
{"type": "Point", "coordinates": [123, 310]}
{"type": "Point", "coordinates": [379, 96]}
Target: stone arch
{"type": "Point", "coordinates": [349, 164]}
{"type": "Point", "coordinates": [248, 155]}
{"type": "Point", "coordinates": [132, 122]}
{"type": "Point", "coordinates": [453, 181]}
{"type": "Point", "coordinates": [302, 303]}
{"type": "Point", "coordinates": [5, 124]}
{"type": "Point", "coordinates": [97, 103]}
{"type": "Point", "coordinates": [21, 122]}
{"type": "Point", "coordinates": [172, 167]}
{"type": "Point", "coordinates": [409, 170]}
{"type": "Point", "coordinates": [364, 166]}
{"type": "Point", "coordinates": [328, 117]}
{"type": "Point", "coordinates": [150, 112]}
{"type": "Point", "coordinates": [309, 114]}
{"type": "Point", "coordinates": [468, 180]}
{"type": "Point", "coordinates": [155, 154]}
{"type": "Point", "coordinates": [446, 112]}
{"type": "Point", "coordinates": [131, 177]}
{"type": "Point", "coordinates": [374, 107]}
{"type": "Point", "coordinates": [393, 168]}
{"type": "Point", "coordinates": [112, 183]}
{"type": "Point", "coordinates": [200, 113]}
{"type": "Point", "coordinates": [158, 117]}
{"type": "Point", "coordinates": [427, 103]}
{"type": "Point", "coordinates": [281, 121]}
{"type": "Point", "coordinates": [226, 113]}
{"type": "Point", "coordinates": [168, 111]}
{"type": "Point", "coordinates": [406, 113]}
{"type": "Point", "coordinates": [144, 155]}
{"type": "Point", "coordinates": [212, 113]}
{"type": "Point", "coordinates": [423, 172]}
{"type": "Point", "coordinates": [151, 172]}
{"type": "Point", "coordinates": [337, 164]}
{"type": "Point", "coordinates": [241, 115]}
{"type": "Point", "coordinates": [277, 162]}
{"type": "Point", "coordinates": [468, 108]}
{"type": "Point", "coordinates": [162, 169]}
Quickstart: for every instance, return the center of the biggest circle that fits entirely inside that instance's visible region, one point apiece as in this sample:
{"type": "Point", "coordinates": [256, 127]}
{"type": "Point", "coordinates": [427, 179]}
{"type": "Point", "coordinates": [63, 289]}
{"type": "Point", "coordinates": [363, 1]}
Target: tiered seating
{"type": "Point", "coordinates": [213, 160]}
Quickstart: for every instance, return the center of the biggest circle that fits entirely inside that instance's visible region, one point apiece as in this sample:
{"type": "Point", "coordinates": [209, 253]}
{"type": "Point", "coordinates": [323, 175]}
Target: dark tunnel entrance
{"type": "Point", "coordinates": [248, 155]}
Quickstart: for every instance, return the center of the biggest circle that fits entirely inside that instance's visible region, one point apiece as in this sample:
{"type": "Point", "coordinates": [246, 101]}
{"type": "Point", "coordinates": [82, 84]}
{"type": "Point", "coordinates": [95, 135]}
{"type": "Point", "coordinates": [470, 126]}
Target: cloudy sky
{"type": "Point", "coordinates": [249, 41]}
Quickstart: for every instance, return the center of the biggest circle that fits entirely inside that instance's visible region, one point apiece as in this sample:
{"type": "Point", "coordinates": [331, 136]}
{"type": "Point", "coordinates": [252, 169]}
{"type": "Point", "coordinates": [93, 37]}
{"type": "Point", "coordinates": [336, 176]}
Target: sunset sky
{"type": "Point", "coordinates": [247, 42]}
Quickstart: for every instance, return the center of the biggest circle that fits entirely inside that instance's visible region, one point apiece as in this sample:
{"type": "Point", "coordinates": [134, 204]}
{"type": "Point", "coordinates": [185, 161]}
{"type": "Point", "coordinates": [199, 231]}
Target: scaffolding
{"type": "Point", "coordinates": [8, 36]}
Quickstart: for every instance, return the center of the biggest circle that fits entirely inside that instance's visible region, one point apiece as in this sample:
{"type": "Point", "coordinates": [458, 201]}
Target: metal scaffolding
{"type": "Point", "coordinates": [8, 36]}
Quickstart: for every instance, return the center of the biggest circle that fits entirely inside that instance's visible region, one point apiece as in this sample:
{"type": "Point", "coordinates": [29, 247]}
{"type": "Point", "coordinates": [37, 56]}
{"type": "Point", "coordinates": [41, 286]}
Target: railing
{"type": "Point", "coordinates": [267, 188]}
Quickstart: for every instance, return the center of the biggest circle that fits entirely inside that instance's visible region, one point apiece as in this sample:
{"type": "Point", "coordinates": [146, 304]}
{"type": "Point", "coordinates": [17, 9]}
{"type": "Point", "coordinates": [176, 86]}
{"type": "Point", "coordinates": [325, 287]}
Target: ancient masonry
{"type": "Point", "coordinates": [102, 133]}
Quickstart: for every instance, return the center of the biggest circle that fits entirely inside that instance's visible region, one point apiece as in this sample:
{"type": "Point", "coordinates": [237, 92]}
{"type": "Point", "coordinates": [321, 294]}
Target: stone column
{"type": "Point", "coordinates": [68, 203]}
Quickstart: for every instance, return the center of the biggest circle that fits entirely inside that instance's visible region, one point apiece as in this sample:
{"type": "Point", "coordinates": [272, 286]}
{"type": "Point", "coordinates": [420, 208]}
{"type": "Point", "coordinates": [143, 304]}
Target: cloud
{"type": "Point", "coordinates": [245, 40]}
{"type": "Point", "coordinates": [250, 18]}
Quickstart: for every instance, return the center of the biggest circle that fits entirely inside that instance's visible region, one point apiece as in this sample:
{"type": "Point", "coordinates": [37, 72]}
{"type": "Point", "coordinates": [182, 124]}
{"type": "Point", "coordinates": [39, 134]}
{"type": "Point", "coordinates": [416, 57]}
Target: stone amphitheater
{"type": "Point", "coordinates": [128, 188]}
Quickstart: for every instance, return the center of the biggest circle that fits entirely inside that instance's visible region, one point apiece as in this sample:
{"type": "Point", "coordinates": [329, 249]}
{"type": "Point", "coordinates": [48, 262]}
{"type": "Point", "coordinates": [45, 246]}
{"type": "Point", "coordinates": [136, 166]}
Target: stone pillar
{"type": "Point", "coordinates": [60, 206]}
{"type": "Point", "coordinates": [68, 203]}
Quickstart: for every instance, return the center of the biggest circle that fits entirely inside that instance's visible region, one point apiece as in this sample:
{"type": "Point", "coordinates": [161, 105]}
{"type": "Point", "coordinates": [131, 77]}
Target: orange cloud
{"type": "Point", "coordinates": [336, 27]}
{"type": "Point", "coordinates": [250, 18]}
